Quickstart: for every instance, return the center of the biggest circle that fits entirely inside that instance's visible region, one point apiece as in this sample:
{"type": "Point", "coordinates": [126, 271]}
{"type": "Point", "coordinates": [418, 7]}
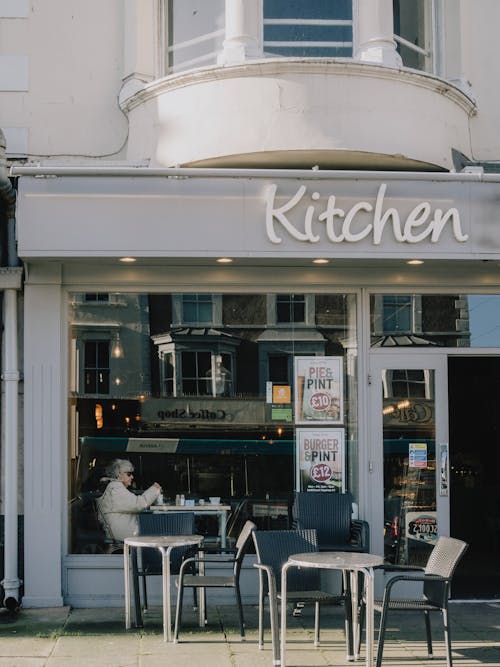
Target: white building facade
{"type": "Point", "coordinates": [212, 195]}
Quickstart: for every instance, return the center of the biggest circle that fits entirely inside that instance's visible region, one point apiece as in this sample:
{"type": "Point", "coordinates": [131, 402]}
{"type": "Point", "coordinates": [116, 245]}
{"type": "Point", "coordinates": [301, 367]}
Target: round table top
{"type": "Point", "coordinates": [160, 541]}
{"type": "Point", "coordinates": [336, 560]}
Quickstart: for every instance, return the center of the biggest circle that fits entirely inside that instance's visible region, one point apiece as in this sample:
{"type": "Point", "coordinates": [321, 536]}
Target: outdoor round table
{"type": "Point", "coordinates": [165, 544]}
{"type": "Point", "coordinates": [346, 561]}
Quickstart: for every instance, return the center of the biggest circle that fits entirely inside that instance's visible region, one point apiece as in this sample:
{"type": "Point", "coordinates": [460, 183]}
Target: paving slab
{"type": "Point", "coordinates": [65, 637]}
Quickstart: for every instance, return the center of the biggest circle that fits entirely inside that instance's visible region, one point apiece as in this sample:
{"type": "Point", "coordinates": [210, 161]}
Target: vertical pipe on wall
{"type": "Point", "coordinates": [10, 383]}
{"type": "Point", "coordinates": [10, 380]}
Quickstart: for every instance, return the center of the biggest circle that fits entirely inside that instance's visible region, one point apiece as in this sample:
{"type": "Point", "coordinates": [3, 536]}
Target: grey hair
{"type": "Point", "coordinates": [117, 466]}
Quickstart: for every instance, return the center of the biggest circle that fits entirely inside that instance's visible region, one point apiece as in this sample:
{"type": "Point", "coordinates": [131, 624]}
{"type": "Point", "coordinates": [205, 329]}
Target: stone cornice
{"type": "Point", "coordinates": [305, 66]}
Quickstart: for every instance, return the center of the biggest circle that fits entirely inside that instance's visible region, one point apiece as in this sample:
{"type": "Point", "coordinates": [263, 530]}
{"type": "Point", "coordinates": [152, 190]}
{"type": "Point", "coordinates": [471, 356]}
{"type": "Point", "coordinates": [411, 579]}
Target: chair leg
{"type": "Point", "coordinates": [348, 616]}
{"type": "Point", "coordinates": [144, 593]}
{"type": "Point", "coordinates": [240, 612]}
{"type": "Point", "coordinates": [178, 611]}
{"type": "Point", "coordinates": [135, 583]}
{"type": "Point", "coordinates": [381, 635]}
{"type": "Point", "coordinates": [362, 614]}
{"type": "Point", "coordinates": [275, 638]}
{"type": "Point", "coordinates": [447, 636]}
{"type": "Point", "coordinates": [428, 633]}
{"type": "Point", "coordinates": [261, 611]}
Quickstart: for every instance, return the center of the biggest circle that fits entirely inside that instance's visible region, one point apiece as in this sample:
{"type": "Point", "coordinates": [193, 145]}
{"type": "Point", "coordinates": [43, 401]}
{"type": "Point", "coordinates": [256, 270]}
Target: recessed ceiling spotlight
{"type": "Point", "coordinates": [224, 260]}
{"type": "Point", "coordinates": [415, 261]}
{"type": "Point", "coordinates": [321, 260]}
{"type": "Point", "coordinates": [127, 260]}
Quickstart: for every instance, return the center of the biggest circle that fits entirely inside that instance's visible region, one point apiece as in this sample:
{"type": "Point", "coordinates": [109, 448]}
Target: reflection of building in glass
{"type": "Point", "coordinates": [110, 335]}
{"type": "Point", "coordinates": [419, 319]}
{"type": "Point", "coordinates": [196, 361]}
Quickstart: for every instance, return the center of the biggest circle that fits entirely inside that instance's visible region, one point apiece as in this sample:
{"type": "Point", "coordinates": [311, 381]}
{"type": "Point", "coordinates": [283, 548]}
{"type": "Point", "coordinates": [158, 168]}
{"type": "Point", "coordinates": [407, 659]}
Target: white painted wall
{"type": "Point", "coordinates": [76, 57]}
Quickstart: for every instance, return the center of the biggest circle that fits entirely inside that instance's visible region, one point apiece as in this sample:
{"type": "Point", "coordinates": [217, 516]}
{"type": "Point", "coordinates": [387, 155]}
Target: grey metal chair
{"type": "Point", "coordinates": [166, 523]}
{"type": "Point", "coordinates": [273, 548]}
{"type": "Point", "coordinates": [204, 581]}
{"type": "Point", "coordinates": [330, 514]}
{"type": "Point", "coordinates": [436, 578]}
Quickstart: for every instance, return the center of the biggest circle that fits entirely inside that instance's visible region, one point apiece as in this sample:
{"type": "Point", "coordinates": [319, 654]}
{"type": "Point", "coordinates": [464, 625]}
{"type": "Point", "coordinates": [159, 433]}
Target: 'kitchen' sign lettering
{"type": "Point", "coordinates": [354, 225]}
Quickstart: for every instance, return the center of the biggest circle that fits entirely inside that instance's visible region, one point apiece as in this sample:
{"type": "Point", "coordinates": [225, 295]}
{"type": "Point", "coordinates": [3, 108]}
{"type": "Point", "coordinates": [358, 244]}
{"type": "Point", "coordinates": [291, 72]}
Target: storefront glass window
{"type": "Point", "coordinates": [197, 391]}
{"type": "Point", "coordinates": [444, 320]}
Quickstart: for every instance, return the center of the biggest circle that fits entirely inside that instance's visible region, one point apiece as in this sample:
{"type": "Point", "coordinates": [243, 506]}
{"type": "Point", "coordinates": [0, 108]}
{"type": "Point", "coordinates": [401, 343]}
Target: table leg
{"type": "Point", "coordinates": [369, 585]}
{"type": "Point", "coordinates": [284, 572]}
{"type": "Point", "coordinates": [223, 528]}
{"type": "Point", "coordinates": [127, 585]}
{"type": "Point", "coordinates": [202, 619]}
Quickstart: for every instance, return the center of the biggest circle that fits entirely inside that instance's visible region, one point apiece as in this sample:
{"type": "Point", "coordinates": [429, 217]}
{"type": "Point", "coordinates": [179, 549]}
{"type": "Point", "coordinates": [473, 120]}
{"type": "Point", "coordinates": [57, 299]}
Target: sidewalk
{"type": "Point", "coordinates": [97, 638]}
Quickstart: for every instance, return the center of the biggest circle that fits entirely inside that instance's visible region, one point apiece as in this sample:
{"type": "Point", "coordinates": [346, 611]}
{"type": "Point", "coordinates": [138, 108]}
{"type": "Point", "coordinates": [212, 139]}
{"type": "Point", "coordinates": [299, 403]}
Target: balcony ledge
{"type": "Point", "coordinates": [297, 106]}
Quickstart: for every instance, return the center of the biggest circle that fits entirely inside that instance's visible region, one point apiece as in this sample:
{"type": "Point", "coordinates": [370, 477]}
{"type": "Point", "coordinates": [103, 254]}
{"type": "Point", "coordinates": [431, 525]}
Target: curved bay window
{"type": "Point", "coordinates": [192, 32]}
{"type": "Point", "coordinates": [189, 399]}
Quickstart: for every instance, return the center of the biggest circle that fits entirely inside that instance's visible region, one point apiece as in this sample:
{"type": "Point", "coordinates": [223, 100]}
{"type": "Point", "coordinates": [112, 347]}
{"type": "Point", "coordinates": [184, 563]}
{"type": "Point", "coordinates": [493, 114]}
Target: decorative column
{"type": "Point", "coordinates": [45, 438]}
{"type": "Point", "coordinates": [243, 32]}
{"type": "Point", "coordinates": [375, 24]}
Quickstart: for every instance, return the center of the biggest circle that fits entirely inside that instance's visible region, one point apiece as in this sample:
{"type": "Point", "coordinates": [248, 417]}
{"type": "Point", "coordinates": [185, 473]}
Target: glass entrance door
{"type": "Point", "coordinates": [409, 446]}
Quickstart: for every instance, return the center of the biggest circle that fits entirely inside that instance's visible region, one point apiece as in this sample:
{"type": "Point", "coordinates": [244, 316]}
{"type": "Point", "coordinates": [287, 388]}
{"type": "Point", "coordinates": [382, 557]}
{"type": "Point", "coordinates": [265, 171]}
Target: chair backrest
{"type": "Point", "coordinates": [242, 545]}
{"type": "Point", "coordinates": [165, 523]}
{"type": "Point", "coordinates": [443, 561]}
{"type": "Point", "coordinates": [273, 548]}
{"type": "Point", "coordinates": [329, 513]}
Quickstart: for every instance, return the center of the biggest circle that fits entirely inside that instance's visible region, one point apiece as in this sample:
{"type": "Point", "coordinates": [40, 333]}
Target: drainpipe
{"type": "Point", "coordinates": [10, 382]}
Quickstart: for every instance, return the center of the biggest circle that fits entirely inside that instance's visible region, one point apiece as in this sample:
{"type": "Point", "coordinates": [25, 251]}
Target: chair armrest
{"type": "Point", "coordinates": [413, 577]}
{"type": "Point", "coordinates": [391, 567]}
{"type": "Point", "coordinates": [271, 580]}
{"type": "Point", "coordinates": [217, 550]}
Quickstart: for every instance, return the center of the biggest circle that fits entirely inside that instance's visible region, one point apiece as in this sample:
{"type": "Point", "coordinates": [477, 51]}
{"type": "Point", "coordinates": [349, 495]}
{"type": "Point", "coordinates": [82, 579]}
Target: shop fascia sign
{"type": "Point", "coordinates": [362, 220]}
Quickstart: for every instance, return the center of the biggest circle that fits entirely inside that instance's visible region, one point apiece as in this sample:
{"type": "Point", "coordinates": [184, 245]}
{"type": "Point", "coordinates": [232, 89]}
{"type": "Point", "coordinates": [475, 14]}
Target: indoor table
{"type": "Point", "coordinates": [207, 509]}
{"type": "Point", "coordinates": [165, 544]}
{"type": "Point", "coordinates": [351, 563]}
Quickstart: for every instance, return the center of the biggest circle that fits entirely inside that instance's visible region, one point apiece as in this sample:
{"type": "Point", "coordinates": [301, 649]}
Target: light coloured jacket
{"type": "Point", "coordinates": [118, 508]}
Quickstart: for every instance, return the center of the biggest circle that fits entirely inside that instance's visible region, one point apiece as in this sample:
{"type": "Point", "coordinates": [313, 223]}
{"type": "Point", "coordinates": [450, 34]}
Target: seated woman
{"type": "Point", "coordinates": [118, 506]}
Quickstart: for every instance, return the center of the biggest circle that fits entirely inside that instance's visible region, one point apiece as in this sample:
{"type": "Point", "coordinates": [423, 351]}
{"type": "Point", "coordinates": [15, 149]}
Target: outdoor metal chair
{"type": "Point", "coordinates": [204, 581]}
{"type": "Point", "coordinates": [273, 548]}
{"type": "Point", "coordinates": [436, 578]}
{"type": "Point", "coordinates": [166, 523]}
{"type": "Point", "coordinates": [330, 514]}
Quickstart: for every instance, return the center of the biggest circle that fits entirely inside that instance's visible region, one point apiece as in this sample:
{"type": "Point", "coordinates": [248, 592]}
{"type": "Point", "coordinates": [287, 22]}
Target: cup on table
{"type": "Point", "coordinates": [214, 500]}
